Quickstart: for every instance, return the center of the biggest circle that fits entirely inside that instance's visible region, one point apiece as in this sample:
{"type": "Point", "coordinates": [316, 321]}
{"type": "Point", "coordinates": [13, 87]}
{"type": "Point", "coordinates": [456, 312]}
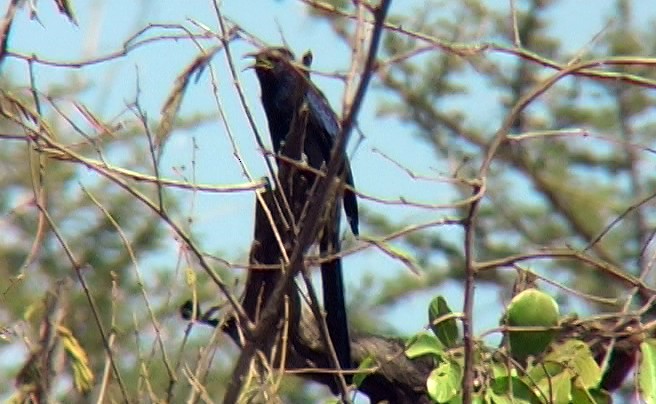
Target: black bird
{"type": "Point", "coordinates": [281, 80]}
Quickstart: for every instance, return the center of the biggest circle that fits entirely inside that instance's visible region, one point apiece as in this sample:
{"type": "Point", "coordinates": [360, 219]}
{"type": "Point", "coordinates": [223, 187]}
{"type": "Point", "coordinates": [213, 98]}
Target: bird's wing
{"type": "Point", "coordinates": [328, 128]}
{"type": "Point", "coordinates": [325, 117]}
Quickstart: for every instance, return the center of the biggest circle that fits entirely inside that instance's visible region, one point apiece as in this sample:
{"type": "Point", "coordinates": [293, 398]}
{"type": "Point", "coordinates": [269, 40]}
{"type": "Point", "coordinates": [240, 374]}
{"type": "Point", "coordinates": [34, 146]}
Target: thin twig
{"type": "Point", "coordinates": [251, 121]}
{"type": "Point", "coordinates": [77, 267]}
{"type": "Point", "coordinates": [611, 270]}
{"type": "Point", "coordinates": [140, 282]}
{"type": "Point", "coordinates": [468, 50]}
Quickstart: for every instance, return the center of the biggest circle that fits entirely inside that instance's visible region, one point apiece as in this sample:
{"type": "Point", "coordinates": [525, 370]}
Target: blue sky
{"type": "Point", "coordinates": [105, 25]}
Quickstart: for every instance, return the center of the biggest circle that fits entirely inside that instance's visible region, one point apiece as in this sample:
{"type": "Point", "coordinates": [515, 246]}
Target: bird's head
{"type": "Point", "coordinates": [283, 80]}
{"type": "Point", "coordinates": [272, 63]}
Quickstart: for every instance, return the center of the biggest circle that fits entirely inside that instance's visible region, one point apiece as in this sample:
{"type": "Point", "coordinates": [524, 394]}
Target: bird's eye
{"type": "Point", "coordinates": [307, 58]}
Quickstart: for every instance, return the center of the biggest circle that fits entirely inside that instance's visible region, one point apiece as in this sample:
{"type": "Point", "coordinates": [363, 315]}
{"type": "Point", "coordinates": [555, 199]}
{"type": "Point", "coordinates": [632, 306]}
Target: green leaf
{"type": "Point", "coordinates": [443, 383]}
{"type": "Point", "coordinates": [582, 396]}
{"type": "Point", "coordinates": [600, 396]}
{"type": "Point", "coordinates": [445, 330]}
{"type": "Point", "coordinates": [562, 388]}
{"type": "Point", "coordinates": [513, 388]}
{"type": "Point", "coordinates": [492, 397]}
{"type": "Point", "coordinates": [557, 389]}
{"type": "Point", "coordinates": [501, 370]}
{"type": "Point", "coordinates": [647, 371]}
{"type": "Point", "coordinates": [531, 308]}
{"type": "Point", "coordinates": [424, 344]}
{"type": "Point", "coordinates": [457, 399]}
{"type": "Point", "coordinates": [365, 365]}
{"type": "Point", "coordinates": [545, 369]}
{"type": "Point", "coordinates": [476, 399]}
{"type": "Point", "coordinates": [576, 356]}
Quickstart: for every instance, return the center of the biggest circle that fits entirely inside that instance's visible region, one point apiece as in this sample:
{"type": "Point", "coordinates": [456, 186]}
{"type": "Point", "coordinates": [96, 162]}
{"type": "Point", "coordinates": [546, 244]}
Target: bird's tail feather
{"type": "Point", "coordinates": [351, 202]}
{"type": "Point", "coordinates": [333, 292]}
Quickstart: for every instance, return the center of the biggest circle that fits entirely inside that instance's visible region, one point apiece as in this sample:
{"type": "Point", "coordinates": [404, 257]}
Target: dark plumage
{"type": "Point", "coordinates": [280, 80]}
{"type": "Point", "coordinates": [285, 87]}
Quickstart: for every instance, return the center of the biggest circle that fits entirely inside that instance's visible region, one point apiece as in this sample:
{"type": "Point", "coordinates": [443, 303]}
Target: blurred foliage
{"type": "Point", "coordinates": [589, 160]}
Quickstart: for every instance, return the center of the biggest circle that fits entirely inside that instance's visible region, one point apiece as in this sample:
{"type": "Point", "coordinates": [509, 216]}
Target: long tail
{"type": "Point", "coordinates": [333, 291]}
{"type": "Point", "coordinates": [351, 202]}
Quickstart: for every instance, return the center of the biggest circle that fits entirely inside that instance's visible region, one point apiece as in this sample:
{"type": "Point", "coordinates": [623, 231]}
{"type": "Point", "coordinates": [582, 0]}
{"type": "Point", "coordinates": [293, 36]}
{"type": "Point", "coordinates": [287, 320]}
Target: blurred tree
{"type": "Point", "coordinates": [86, 214]}
{"type": "Point", "coordinates": [572, 162]}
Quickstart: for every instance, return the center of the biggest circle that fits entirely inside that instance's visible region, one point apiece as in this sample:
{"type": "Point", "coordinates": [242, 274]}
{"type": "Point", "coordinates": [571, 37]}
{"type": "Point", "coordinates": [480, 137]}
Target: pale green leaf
{"type": "Point", "coordinates": [443, 383]}
{"type": "Point", "coordinates": [446, 330]}
{"type": "Point", "coordinates": [424, 344]}
{"type": "Point", "coordinates": [577, 357]}
{"type": "Point", "coordinates": [513, 388]}
{"type": "Point", "coordinates": [647, 371]}
{"type": "Point", "coordinates": [364, 367]}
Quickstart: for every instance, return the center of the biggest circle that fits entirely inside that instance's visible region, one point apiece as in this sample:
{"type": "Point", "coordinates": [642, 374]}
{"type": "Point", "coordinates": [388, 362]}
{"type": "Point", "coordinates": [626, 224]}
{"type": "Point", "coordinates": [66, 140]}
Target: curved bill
{"type": "Point", "coordinates": [259, 62]}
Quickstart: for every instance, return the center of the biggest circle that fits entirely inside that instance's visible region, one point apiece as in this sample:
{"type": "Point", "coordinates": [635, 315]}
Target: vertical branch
{"type": "Point", "coordinates": [357, 52]}
{"type": "Point", "coordinates": [470, 265]}
{"type": "Point", "coordinates": [38, 188]}
{"type": "Point", "coordinates": [517, 40]}
{"type": "Point", "coordinates": [470, 283]}
{"type": "Point", "coordinates": [5, 28]}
